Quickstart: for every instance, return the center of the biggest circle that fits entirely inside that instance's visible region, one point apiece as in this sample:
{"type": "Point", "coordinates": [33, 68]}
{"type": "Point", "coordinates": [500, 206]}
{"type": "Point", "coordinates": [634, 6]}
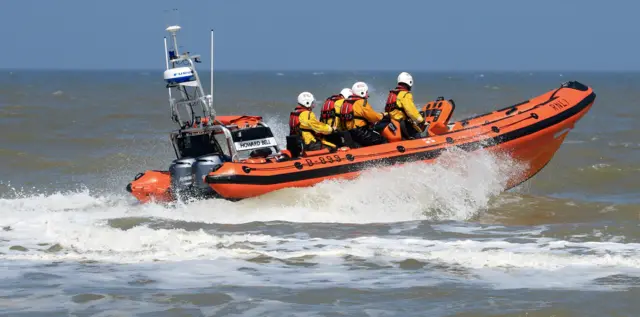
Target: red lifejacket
{"type": "Point", "coordinates": [392, 100]}
{"type": "Point", "coordinates": [294, 120]}
{"type": "Point", "coordinates": [346, 111]}
{"type": "Point", "coordinates": [328, 108]}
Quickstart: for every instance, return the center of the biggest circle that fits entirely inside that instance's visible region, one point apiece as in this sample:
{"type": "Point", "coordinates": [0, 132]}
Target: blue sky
{"type": "Point", "coordinates": [327, 34]}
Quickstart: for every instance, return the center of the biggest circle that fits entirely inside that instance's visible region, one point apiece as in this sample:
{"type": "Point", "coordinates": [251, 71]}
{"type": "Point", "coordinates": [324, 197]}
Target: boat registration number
{"type": "Point", "coordinates": [254, 144]}
{"type": "Point", "coordinates": [559, 104]}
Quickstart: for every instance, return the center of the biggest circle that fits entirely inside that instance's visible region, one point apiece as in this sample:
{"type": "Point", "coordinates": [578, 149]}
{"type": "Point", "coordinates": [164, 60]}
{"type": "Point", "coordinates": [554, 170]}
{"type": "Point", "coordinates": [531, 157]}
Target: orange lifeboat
{"type": "Point", "coordinates": [530, 132]}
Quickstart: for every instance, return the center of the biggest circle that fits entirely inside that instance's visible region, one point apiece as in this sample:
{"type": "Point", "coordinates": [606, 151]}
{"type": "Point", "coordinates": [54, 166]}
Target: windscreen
{"type": "Point", "coordinates": [197, 145]}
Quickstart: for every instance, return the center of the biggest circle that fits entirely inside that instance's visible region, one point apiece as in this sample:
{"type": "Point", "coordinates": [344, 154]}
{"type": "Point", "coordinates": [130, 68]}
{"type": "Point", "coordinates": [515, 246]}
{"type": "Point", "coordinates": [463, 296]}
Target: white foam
{"type": "Point", "coordinates": [474, 229]}
{"type": "Point", "coordinates": [86, 236]}
{"type": "Point", "coordinates": [78, 223]}
{"type": "Point", "coordinates": [535, 264]}
{"type": "Point", "coordinates": [455, 188]}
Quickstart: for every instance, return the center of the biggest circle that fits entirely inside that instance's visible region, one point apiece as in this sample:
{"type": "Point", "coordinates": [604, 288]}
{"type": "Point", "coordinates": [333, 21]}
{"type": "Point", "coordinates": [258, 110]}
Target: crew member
{"type": "Point", "coordinates": [303, 122]}
{"type": "Point", "coordinates": [357, 116]}
{"type": "Point", "coordinates": [401, 108]}
{"type": "Point", "coordinates": [331, 108]}
{"type": "Point", "coordinates": [330, 115]}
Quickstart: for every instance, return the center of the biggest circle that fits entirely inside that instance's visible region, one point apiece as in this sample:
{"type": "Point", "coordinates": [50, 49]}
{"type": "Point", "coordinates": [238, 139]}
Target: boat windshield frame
{"type": "Point", "coordinates": [227, 142]}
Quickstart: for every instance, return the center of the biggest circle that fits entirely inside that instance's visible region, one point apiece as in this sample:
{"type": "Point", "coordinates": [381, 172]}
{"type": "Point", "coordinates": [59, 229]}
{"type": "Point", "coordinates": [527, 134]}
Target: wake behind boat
{"type": "Point", "coordinates": [236, 157]}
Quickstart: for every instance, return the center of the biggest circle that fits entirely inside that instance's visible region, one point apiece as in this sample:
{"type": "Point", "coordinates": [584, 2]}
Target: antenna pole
{"type": "Point", "coordinates": [166, 53]}
{"type": "Point", "coordinates": [175, 42]}
{"type": "Point", "coordinates": [211, 66]}
{"type": "Point", "coordinates": [166, 62]}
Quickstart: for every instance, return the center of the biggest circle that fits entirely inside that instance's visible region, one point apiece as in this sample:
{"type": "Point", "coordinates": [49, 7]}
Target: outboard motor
{"type": "Point", "coordinates": [204, 165]}
{"type": "Point", "coordinates": [180, 171]}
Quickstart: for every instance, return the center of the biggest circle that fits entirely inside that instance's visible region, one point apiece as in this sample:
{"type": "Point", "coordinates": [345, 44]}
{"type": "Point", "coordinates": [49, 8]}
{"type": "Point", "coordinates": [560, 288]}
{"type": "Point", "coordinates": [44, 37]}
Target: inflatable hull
{"type": "Point", "coordinates": [529, 132]}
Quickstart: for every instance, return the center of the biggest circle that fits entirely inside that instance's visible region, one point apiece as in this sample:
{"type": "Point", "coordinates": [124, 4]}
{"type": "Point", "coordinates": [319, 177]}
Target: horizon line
{"type": "Point", "coordinates": [333, 70]}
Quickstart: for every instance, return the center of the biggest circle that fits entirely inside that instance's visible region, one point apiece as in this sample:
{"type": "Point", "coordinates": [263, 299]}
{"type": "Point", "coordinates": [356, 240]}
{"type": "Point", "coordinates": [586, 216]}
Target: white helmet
{"type": "Point", "coordinates": [346, 92]}
{"type": "Point", "coordinates": [306, 99]}
{"type": "Point", "coordinates": [406, 78]}
{"type": "Point", "coordinates": [360, 89]}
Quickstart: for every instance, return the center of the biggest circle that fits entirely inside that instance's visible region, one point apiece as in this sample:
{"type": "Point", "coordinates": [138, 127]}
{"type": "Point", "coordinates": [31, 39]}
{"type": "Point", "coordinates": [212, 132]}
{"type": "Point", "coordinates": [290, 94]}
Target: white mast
{"type": "Point", "coordinates": [166, 61]}
{"type": "Point", "coordinates": [182, 76]}
{"type": "Point", "coordinates": [211, 91]}
{"type": "Point", "coordinates": [166, 53]}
